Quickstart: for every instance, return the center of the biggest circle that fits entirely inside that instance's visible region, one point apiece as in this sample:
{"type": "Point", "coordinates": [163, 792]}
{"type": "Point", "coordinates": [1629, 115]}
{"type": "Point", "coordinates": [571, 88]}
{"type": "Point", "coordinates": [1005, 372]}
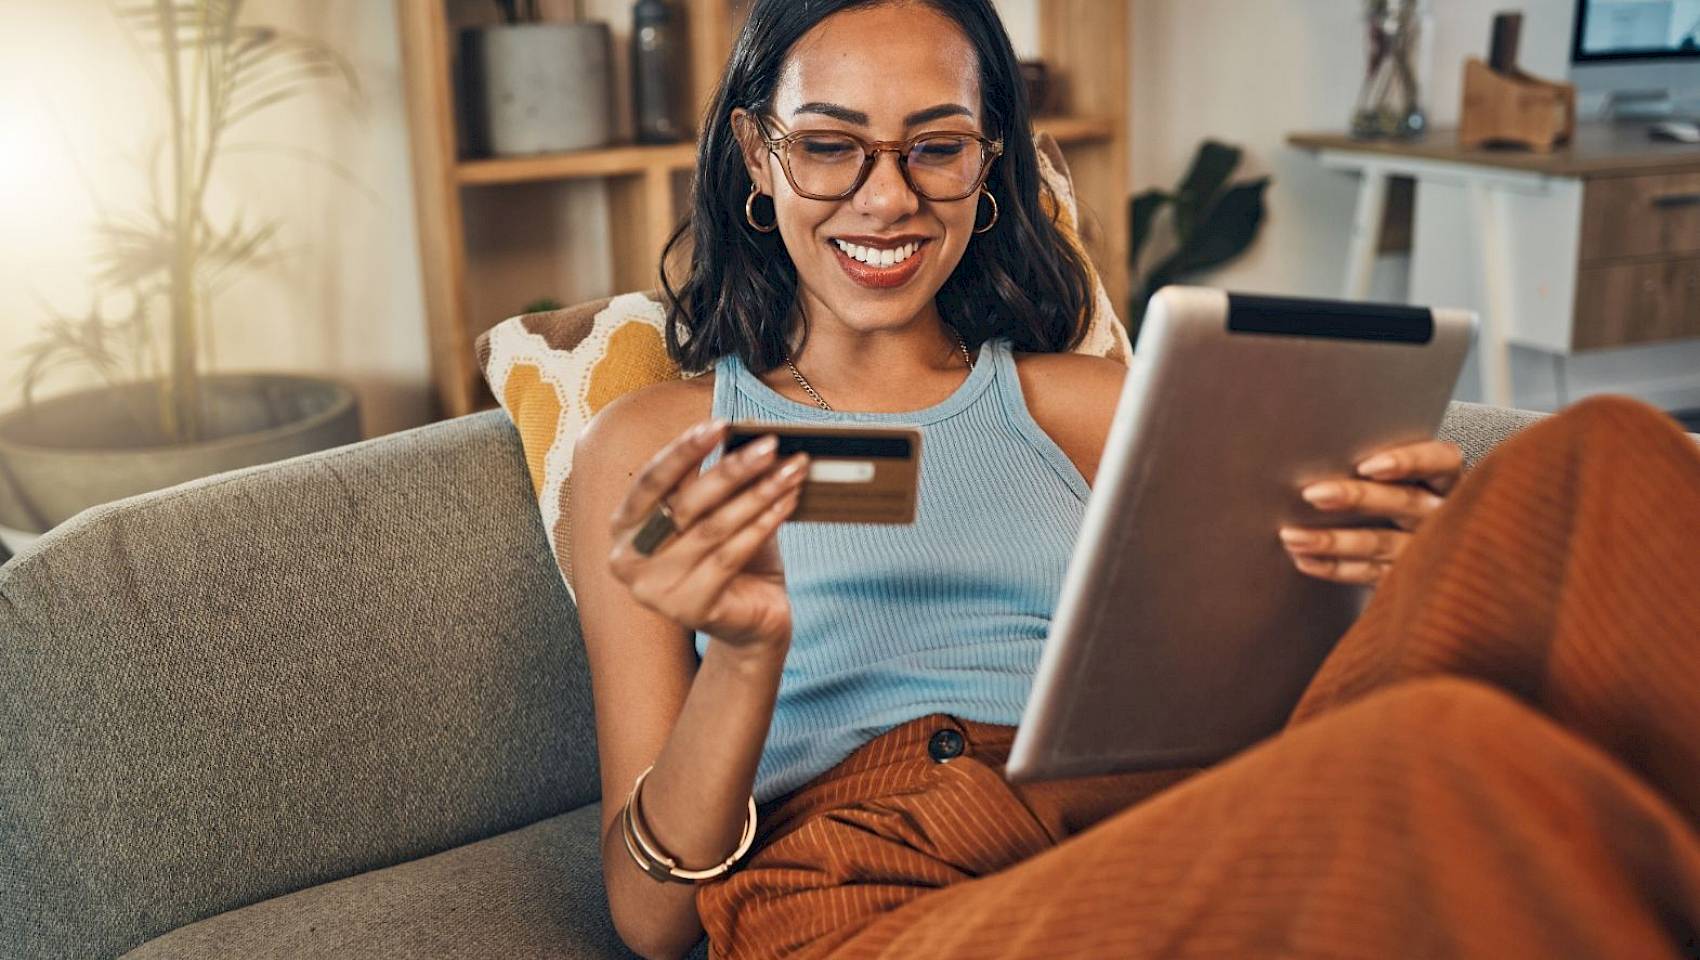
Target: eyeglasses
{"type": "Point", "coordinates": [833, 165]}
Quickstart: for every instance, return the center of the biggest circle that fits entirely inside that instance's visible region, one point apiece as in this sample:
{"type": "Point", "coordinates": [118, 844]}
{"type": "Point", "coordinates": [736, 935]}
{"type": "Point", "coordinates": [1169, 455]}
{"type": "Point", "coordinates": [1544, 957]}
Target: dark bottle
{"type": "Point", "coordinates": [657, 49]}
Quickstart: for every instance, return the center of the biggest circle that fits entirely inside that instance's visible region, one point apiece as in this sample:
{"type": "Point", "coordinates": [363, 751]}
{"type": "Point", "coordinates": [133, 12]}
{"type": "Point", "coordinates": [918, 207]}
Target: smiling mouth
{"type": "Point", "coordinates": [879, 258]}
{"type": "Point", "coordinates": [875, 269]}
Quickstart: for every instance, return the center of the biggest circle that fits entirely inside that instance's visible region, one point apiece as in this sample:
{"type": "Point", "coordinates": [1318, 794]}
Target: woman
{"type": "Point", "coordinates": [861, 682]}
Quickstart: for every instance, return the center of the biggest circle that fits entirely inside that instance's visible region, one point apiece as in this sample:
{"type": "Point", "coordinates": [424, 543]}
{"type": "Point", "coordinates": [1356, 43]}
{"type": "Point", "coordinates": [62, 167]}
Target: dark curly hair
{"type": "Point", "coordinates": [1023, 280]}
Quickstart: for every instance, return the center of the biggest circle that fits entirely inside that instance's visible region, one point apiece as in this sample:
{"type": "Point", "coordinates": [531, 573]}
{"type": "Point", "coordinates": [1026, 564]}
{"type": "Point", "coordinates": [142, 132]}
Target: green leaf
{"type": "Point", "coordinates": [260, 66]}
{"type": "Point", "coordinates": [69, 341]}
{"type": "Point", "coordinates": [1226, 232]}
{"type": "Point", "coordinates": [234, 246]}
{"type": "Point", "coordinates": [1211, 167]}
{"type": "Point", "coordinates": [541, 305]}
{"type": "Point", "coordinates": [1142, 216]}
{"type": "Point", "coordinates": [256, 48]}
{"type": "Point", "coordinates": [130, 254]}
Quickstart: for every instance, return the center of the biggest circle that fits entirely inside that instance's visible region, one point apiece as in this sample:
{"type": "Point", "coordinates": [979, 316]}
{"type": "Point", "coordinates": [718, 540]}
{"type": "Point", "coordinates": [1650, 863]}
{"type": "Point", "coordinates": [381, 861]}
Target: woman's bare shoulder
{"type": "Point", "coordinates": [634, 426]}
{"type": "Point", "coordinates": [1053, 366]}
{"type": "Point", "coordinates": [1072, 397]}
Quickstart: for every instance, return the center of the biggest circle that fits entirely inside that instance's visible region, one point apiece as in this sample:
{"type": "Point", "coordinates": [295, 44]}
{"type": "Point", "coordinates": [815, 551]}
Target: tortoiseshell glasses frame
{"type": "Point", "coordinates": [941, 142]}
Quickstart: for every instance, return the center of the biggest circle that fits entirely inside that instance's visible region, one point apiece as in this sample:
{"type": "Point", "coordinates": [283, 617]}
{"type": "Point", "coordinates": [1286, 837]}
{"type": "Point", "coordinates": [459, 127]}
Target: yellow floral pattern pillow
{"type": "Point", "coordinates": [552, 372]}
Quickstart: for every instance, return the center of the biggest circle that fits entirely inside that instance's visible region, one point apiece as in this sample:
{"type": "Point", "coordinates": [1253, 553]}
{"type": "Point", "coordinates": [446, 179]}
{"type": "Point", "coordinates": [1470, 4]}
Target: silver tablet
{"type": "Point", "coordinates": [1183, 633]}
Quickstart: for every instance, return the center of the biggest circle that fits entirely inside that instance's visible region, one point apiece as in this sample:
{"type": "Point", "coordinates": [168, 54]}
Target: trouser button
{"type": "Point", "coordinates": [945, 746]}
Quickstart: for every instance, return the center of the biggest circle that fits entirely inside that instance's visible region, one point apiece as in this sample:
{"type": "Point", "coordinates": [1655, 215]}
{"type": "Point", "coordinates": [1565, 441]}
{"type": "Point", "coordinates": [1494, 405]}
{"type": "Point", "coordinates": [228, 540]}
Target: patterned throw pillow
{"type": "Point", "coordinates": [554, 371]}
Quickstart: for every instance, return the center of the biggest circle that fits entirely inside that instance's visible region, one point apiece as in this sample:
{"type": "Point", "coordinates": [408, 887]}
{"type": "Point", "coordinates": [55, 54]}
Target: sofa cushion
{"type": "Point", "coordinates": [553, 371]}
{"type": "Point", "coordinates": [535, 892]}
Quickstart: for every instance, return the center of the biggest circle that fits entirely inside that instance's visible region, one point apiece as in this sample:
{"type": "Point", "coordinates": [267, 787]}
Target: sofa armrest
{"type": "Point", "coordinates": [268, 679]}
{"type": "Point", "coordinates": [1478, 428]}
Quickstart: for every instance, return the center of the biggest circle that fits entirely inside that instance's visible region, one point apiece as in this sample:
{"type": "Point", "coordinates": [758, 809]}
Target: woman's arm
{"type": "Point", "coordinates": [701, 726]}
{"type": "Point", "coordinates": [694, 801]}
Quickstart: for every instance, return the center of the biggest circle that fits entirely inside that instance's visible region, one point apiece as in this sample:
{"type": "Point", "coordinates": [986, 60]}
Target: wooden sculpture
{"type": "Point", "coordinates": [1503, 106]}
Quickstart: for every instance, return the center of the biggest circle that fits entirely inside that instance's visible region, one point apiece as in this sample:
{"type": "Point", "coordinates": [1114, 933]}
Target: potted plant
{"type": "Point", "coordinates": [534, 86]}
{"type": "Point", "coordinates": [158, 418]}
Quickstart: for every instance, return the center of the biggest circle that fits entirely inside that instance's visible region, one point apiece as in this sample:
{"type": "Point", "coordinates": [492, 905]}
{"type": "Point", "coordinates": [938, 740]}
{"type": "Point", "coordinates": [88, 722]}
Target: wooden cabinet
{"type": "Point", "coordinates": [1626, 303]}
{"type": "Point", "coordinates": [497, 232]}
{"type": "Point", "coordinates": [1639, 277]}
{"type": "Point", "coordinates": [1641, 216]}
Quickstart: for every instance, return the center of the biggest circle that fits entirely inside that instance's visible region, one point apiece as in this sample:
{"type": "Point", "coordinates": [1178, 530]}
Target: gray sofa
{"type": "Point", "coordinates": [330, 707]}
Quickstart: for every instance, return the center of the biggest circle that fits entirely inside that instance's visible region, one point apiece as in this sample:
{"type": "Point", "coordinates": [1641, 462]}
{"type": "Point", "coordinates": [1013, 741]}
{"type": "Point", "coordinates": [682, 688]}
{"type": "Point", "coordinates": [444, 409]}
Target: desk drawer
{"type": "Point", "coordinates": [1621, 304]}
{"type": "Point", "coordinates": [1654, 216]}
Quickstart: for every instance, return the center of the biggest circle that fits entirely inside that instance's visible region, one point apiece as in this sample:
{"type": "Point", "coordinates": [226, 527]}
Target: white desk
{"type": "Point", "coordinates": [1593, 246]}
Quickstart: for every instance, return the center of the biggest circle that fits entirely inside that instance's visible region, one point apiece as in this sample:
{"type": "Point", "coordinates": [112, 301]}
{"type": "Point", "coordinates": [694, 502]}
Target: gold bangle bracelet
{"type": "Point", "coordinates": [655, 862]}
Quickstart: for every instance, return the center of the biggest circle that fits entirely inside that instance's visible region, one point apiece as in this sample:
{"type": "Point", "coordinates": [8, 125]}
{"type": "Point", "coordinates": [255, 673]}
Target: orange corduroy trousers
{"type": "Point", "coordinates": [1500, 759]}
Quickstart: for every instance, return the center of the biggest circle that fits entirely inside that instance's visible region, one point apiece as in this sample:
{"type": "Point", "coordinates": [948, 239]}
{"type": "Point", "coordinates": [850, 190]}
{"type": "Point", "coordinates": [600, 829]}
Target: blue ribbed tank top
{"type": "Point", "coordinates": [945, 615]}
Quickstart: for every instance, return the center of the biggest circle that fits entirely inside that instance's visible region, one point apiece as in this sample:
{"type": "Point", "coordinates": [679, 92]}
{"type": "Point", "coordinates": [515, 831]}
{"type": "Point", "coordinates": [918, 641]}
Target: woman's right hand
{"type": "Point", "coordinates": [720, 573]}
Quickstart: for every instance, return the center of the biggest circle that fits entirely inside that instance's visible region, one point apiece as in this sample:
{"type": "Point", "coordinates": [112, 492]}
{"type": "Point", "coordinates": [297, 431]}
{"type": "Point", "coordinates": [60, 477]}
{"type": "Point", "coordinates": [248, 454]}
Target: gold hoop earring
{"type": "Point", "coordinates": [988, 195]}
{"type": "Point", "coordinates": [750, 212]}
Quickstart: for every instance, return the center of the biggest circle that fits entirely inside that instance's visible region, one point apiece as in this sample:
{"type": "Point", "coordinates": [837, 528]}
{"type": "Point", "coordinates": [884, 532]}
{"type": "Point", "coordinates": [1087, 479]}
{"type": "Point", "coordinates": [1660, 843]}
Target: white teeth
{"type": "Point", "coordinates": [878, 258]}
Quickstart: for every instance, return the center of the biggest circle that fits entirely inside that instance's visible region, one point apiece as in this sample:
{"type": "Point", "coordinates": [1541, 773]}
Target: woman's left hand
{"type": "Point", "coordinates": [1406, 485]}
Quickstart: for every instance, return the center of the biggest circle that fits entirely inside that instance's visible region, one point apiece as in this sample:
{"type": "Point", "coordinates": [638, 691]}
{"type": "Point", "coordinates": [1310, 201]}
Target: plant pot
{"type": "Point", "coordinates": [537, 87]}
{"type": "Point", "coordinates": [77, 450]}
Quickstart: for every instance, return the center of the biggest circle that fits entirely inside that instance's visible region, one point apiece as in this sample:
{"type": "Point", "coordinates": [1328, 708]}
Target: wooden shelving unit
{"type": "Point", "coordinates": [490, 228]}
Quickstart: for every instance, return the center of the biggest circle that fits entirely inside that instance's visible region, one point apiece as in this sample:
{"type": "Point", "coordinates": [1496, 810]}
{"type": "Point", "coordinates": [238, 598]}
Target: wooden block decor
{"type": "Point", "coordinates": [1512, 108]}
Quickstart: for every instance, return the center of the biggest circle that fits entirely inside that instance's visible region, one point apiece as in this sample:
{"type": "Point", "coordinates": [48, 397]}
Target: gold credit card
{"type": "Point", "coordinates": [856, 474]}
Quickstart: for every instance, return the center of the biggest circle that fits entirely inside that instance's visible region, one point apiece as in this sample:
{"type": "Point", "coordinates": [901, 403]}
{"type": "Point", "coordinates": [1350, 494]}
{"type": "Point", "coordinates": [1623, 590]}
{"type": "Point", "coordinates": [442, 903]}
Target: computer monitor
{"type": "Point", "coordinates": [1637, 58]}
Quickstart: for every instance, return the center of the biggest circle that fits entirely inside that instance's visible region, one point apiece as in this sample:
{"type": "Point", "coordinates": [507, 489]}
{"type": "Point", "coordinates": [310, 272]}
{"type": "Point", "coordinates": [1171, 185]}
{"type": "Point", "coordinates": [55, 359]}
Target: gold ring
{"type": "Point", "coordinates": [657, 527]}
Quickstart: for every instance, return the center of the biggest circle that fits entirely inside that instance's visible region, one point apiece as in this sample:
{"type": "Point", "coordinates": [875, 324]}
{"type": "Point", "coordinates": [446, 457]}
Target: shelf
{"type": "Point", "coordinates": [1070, 130]}
{"type": "Point", "coordinates": [635, 160]}
{"type": "Point", "coordinates": [628, 160]}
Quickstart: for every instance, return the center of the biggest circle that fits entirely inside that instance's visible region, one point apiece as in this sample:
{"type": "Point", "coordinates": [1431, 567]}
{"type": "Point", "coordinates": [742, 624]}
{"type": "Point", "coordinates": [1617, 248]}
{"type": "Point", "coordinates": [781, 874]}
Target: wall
{"type": "Point", "coordinates": [1252, 72]}
{"type": "Point", "coordinates": [343, 298]}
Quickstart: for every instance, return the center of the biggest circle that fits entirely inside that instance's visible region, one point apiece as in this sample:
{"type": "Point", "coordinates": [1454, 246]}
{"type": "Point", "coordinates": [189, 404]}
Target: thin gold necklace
{"type": "Point", "coordinates": [804, 383]}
